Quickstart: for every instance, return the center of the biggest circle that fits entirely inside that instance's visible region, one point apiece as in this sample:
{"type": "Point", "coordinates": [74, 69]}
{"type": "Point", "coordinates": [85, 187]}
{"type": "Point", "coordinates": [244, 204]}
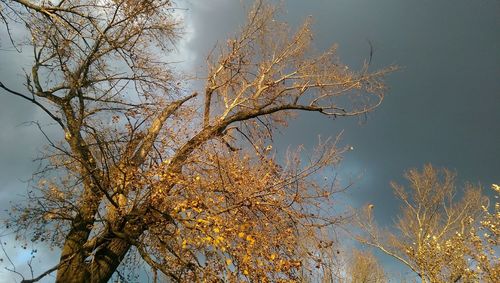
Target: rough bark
{"type": "Point", "coordinates": [100, 269]}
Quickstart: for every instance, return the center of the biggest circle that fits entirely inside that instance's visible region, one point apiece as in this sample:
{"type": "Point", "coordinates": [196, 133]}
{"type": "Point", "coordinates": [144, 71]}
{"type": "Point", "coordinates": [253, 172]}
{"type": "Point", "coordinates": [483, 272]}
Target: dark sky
{"type": "Point", "coordinates": [443, 105]}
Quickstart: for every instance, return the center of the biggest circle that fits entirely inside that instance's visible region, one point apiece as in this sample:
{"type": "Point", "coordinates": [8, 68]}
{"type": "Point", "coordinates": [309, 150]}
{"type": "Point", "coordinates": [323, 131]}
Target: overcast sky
{"type": "Point", "coordinates": [443, 106]}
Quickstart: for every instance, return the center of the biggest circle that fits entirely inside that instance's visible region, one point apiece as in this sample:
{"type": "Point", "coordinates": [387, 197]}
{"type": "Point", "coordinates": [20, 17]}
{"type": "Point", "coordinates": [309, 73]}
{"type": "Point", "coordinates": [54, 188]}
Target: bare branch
{"type": "Point", "coordinates": [34, 101]}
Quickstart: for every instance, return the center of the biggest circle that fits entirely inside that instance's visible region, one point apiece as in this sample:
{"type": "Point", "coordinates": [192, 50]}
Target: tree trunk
{"type": "Point", "coordinates": [107, 260]}
{"type": "Point", "coordinates": [104, 263]}
{"type": "Point", "coordinates": [72, 268]}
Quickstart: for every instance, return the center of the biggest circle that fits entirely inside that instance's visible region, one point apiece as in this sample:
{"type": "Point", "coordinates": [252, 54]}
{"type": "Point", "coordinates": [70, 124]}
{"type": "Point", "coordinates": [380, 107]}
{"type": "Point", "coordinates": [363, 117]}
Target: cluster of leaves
{"type": "Point", "coordinates": [484, 241]}
{"type": "Point", "coordinates": [242, 212]}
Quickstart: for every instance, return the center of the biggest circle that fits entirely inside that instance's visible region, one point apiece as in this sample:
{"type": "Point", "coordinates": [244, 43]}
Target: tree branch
{"type": "Point", "coordinates": [154, 130]}
{"type": "Point", "coordinates": [34, 101]}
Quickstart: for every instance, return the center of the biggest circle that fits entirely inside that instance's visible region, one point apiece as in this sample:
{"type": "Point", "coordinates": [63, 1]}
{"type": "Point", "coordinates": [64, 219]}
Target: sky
{"type": "Point", "coordinates": [442, 106]}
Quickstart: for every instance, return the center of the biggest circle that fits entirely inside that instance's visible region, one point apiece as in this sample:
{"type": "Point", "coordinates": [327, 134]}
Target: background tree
{"type": "Point", "coordinates": [363, 267]}
{"type": "Point", "coordinates": [484, 240]}
{"type": "Point", "coordinates": [188, 182]}
{"type": "Point", "coordinates": [434, 235]}
{"type": "Point", "coordinates": [348, 265]}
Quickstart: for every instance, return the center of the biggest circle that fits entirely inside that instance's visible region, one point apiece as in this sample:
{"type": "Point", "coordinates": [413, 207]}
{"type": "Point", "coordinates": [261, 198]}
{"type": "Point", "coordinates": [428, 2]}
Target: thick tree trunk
{"type": "Point", "coordinates": [73, 272]}
{"type": "Point", "coordinates": [107, 260]}
{"type": "Point", "coordinates": [73, 267]}
{"type": "Point", "coordinates": [102, 266]}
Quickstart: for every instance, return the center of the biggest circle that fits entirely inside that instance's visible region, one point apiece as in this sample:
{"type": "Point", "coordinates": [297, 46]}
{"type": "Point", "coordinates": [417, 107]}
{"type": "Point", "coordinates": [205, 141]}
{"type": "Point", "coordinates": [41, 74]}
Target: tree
{"type": "Point", "coordinates": [483, 242]}
{"type": "Point", "coordinates": [187, 181]}
{"type": "Point", "coordinates": [435, 234]}
{"type": "Point", "coordinates": [352, 266]}
{"type": "Point", "coordinates": [364, 268]}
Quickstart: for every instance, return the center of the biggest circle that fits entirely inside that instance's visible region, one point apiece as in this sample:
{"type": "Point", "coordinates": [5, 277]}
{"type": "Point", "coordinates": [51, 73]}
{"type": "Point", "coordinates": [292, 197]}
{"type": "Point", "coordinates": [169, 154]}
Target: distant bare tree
{"type": "Point", "coordinates": [348, 266]}
{"type": "Point", "coordinates": [363, 267]}
{"type": "Point", "coordinates": [187, 181]}
{"type": "Point", "coordinates": [434, 235]}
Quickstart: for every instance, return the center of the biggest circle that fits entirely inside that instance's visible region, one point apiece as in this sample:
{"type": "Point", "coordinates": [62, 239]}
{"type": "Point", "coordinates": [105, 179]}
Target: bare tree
{"type": "Point", "coordinates": [347, 265]}
{"type": "Point", "coordinates": [363, 267]}
{"type": "Point", "coordinates": [432, 234]}
{"type": "Point", "coordinates": [188, 181]}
